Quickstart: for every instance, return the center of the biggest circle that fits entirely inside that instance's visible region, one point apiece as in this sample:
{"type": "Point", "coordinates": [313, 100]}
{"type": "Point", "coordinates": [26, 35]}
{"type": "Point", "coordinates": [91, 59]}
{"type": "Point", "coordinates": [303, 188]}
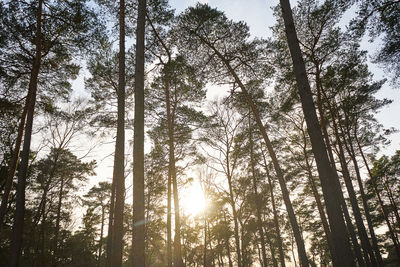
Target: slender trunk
{"type": "Point", "coordinates": [369, 257]}
{"type": "Point", "coordinates": [235, 218]}
{"type": "Point", "coordinates": [101, 235]}
{"type": "Point", "coordinates": [58, 220]}
{"type": "Point", "coordinates": [177, 238]}
{"type": "Point", "coordinates": [14, 160]}
{"type": "Point", "coordinates": [384, 212]}
{"type": "Point", "coordinates": [110, 231]}
{"type": "Point", "coordinates": [350, 150]}
{"type": "Point", "coordinates": [278, 170]}
{"type": "Point", "coordinates": [293, 254]}
{"type": "Point", "coordinates": [205, 241]}
{"type": "Point", "coordinates": [172, 173]}
{"type": "Point", "coordinates": [320, 207]}
{"type": "Point", "coordinates": [271, 247]}
{"type": "Point", "coordinates": [16, 241]}
{"type": "Point", "coordinates": [169, 224]}
{"type": "Point", "coordinates": [343, 204]}
{"type": "Point", "coordinates": [325, 170]}
{"type": "Point", "coordinates": [47, 186]}
{"type": "Point", "coordinates": [392, 201]}
{"type": "Point", "coordinates": [43, 236]}
{"type": "Point", "coordinates": [271, 151]}
{"type": "Point", "coordinates": [138, 240]}
{"type": "Point", "coordinates": [228, 249]}
{"type": "Point", "coordinates": [275, 213]}
{"type": "Point", "coordinates": [366, 246]}
{"type": "Point", "coordinates": [258, 204]}
{"type": "Point", "coordinates": [119, 155]}
{"type": "Point", "coordinates": [367, 249]}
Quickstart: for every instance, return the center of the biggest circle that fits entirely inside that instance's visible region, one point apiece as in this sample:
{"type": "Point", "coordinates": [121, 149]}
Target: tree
{"type": "Point", "coordinates": [212, 30]}
{"type": "Point", "coordinates": [38, 53]}
{"type": "Point", "coordinates": [381, 18]}
{"type": "Point", "coordinates": [326, 173]}
{"type": "Point", "coordinates": [119, 162]}
{"type": "Point", "coordinates": [138, 242]}
{"type": "Point", "coordinates": [98, 197]}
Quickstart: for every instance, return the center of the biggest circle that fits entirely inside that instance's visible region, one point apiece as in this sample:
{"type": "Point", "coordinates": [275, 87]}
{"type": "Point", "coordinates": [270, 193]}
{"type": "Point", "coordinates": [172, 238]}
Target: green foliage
{"type": "Point", "coordinates": [380, 18]}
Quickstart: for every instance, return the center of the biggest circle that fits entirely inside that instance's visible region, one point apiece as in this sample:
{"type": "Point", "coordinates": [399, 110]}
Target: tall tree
{"type": "Point", "coordinates": [138, 242]}
{"type": "Point", "coordinates": [208, 25]}
{"type": "Point", "coordinates": [119, 156]}
{"type": "Point", "coordinates": [325, 170]}
{"type": "Point", "coordinates": [18, 225]}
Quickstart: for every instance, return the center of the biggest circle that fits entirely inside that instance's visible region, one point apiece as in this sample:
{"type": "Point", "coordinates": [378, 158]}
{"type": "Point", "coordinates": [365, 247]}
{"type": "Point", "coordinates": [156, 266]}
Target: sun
{"type": "Point", "coordinates": [193, 200]}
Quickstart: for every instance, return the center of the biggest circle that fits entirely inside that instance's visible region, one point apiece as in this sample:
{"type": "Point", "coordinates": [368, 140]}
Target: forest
{"type": "Point", "coordinates": [166, 133]}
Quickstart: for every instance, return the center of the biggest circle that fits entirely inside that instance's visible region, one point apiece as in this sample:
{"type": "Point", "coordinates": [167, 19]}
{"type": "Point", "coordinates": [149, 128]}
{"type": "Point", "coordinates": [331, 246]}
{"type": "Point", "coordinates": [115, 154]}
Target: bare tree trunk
{"type": "Point", "coordinates": [228, 250]}
{"type": "Point", "coordinates": [138, 239]}
{"type": "Point", "coordinates": [369, 257]}
{"type": "Point", "coordinates": [367, 249]}
{"type": "Point", "coordinates": [320, 207]}
{"type": "Point", "coordinates": [271, 151]}
{"type": "Point", "coordinates": [14, 160]}
{"type": "Point", "coordinates": [169, 224]}
{"type": "Point", "coordinates": [345, 210]}
{"type": "Point", "coordinates": [272, 249]}
{"type": "Point", "coordinates": [205, 241]}
{"type": "Point", "coordinates": [101, 236]}
{"type": "Point", "coordinates": [110, 225]}
{"type": "Point", "coordinates": [258, 206]}
{"type": "Point", "coordinates": [119, 156]}
{"type": "Point", "coordinates": [43, 236]}
{"type": "Point", "coordinates": [326, 173]}
{"type": "Point", "coordinates": [18, 226]}
{"type": "Point", "coordinates": [350, 151]}
{"type": "Point", "coordinates": [274, 211]}
{"type": "Point", "coordinates": [58, 220]}
{"type": "Point", "coordinates": [235, 216]}
{"type": "Point", "coordinates": [172, 174]}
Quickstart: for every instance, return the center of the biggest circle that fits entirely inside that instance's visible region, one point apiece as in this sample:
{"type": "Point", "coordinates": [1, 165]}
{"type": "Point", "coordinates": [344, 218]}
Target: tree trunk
{"type": "Point", "coordinates": [318, 201]}
{"type": "Point", "coordinates": [14, 160]}
{"type": "Point", "coordinates": [172, 174]}
{"type": "Point", "coordinates": [43, 236]}
{"type": "Point", "coordinates": [392, 201]}
{"type": "Point", "coordinates": [138, 240]}
{"type": "Point", "coordinates": [271, 247]}
{"type": "Point", "coordinates": [369, 257]}
{"type": "Point", "coordinates": [228, 250]}
{"type": "Point", "coordinates": [326, 173]}
{"type": "Point", "coordinates": [350, 151]}
{"type": "Point", "coordinates": [205, 241]}
{"type": "Point", "coordinates": [258, 204]}
{"type": "Point", "coordinates": [275, 212]}
{"type": "Point", "coordinates": [234, 214]}
{"type": "Point", "coordinates": [345, 210]}
{"type": "Point", "coordinates": [169, 223]}
{"type": "Point", "coordinates": [119, 156]}
{"type": "Point", "coordinates": [18, 226]}
{"type": "Point", "coordinates": [271, 151]}
{"type": "Point", "coordinates": [101, 235]}
{"type": "Point", "coordinates": [58, 220]}
{"type": "Point", "coordinates": [367, 249]}
{"type": "Point", "coordinates": [110, 224]}
{"type": "Point", "coordinates": [366, 246]}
